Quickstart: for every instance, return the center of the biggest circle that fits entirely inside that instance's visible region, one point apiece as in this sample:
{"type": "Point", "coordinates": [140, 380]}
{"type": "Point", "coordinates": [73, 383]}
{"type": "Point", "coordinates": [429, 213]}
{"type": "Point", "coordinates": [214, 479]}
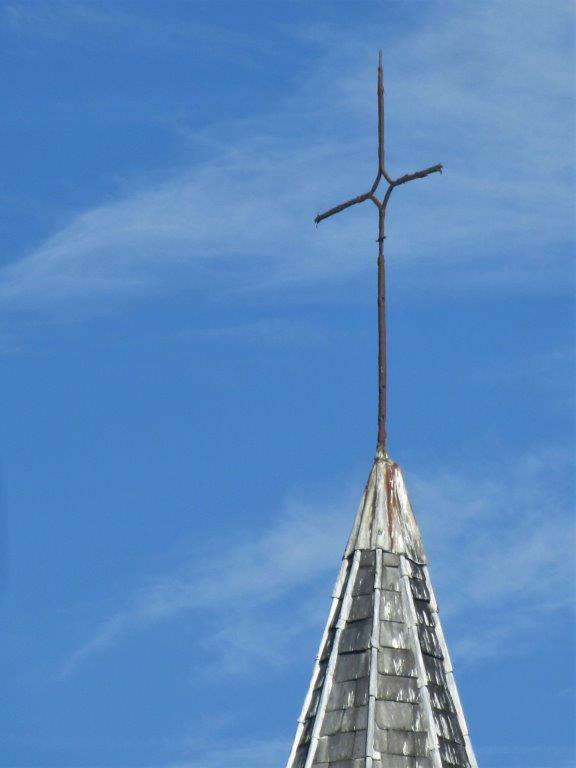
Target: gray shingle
{"type": "Point", "coordinates": [352, 666]}
{"type": "Point", "coordinates": [364, 584]}
{"type": "Point", "coordinates": [397, 661]}
{"type": "Point", "coordinates": [356, 636]}
{"type": "Point", "coordinates": [396, 688]}
{"type": "Point", "coordinates": [391, 608]}
{"type": "Point", "coordinates": [419, 589]}
{"type": "Point", "coordinates": [394, 634]}
{"type": "Point", "coordinates": [362, 607]}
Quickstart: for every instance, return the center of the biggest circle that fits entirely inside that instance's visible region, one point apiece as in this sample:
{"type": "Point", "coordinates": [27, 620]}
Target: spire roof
{"type": "Point", "coordinates": [382, 693]}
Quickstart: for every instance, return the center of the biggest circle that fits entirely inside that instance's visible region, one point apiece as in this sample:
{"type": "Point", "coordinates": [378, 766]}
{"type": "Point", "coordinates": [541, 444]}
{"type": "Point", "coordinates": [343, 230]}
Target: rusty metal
{"type": "Point", "coordinates": [381, 205]}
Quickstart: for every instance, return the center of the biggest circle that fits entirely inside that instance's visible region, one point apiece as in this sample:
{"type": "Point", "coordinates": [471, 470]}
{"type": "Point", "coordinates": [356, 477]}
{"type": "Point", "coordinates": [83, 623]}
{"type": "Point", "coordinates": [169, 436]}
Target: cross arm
{"type": "Point", "coordinates": [370, 195]}
{"type": "Point", "coordinates": [343, 206]}
{"type": "Point", "coordinates": [417, 175]}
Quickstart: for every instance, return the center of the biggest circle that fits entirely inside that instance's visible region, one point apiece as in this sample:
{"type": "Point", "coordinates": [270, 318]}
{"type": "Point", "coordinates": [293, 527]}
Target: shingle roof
{"type": "Point", "coordinates": [382, 693]}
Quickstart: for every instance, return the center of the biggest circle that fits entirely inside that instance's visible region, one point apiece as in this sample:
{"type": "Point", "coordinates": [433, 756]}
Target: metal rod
{"type": "Point", "coordinates": [382, 206]}
{"type": "Point", "coordinates": [342, 207]}
{"type": "Point", "coordinates": [417, 175]}
{"type": "Point", "coordinates": [382, 336]}
{"type": "Point", "coordinates": [380, 95]}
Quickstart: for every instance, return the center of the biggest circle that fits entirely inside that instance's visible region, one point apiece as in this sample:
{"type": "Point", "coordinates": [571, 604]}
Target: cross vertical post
{"type": "Point", "coordinates": [381, 205]}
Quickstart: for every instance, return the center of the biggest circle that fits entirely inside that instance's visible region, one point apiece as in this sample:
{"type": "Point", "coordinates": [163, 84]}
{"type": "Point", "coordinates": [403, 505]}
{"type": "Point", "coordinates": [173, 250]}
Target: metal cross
{"type": "Point", "coordinates": [381, 205]}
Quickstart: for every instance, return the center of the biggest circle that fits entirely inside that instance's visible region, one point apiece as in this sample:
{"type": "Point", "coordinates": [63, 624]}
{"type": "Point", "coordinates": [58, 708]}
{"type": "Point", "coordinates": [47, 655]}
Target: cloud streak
{"type": "Point", "coordinates": [260, 571]}
{"type": "Point", "coordinates": [501, 552]}
{"type": "Point", "coordinates": [255, 754]}
{"type": "Point", "coordinates": [501, 122]}
{"type": "Point", "coordinates": [503, 530]}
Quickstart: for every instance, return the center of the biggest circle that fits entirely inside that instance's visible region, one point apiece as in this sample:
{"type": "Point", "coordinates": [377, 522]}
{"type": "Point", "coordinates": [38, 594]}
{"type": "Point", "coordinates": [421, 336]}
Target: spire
{"type": "Point", "coordinates": [382, 693]}
{"type": "Point", "coordinates": [381, 205]}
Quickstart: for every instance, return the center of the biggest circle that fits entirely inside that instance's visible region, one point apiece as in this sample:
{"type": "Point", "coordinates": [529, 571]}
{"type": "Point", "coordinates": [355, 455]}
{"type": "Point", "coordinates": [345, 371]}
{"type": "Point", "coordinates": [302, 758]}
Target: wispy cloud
{"type": "Point", "coordinates": [504, 531]}
{"type": "Point", "coordinates": [260, 571]}
{"type": "Point", "coordinates": [262, 332]}
{"type": "Point", "coordinates": [501, 121]}
{"type": "Point", "coordinates": [99, 24]}
{"type": "Point", "coordinates": [501, 540]}
{"type": "Point", "coordinates": [254, 754]}
{"type": "Point", "coordinates": [541, 756]}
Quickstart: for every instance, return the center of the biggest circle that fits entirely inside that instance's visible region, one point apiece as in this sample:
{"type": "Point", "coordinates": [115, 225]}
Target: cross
{"type": "Point", "coordinates": [381, 205]}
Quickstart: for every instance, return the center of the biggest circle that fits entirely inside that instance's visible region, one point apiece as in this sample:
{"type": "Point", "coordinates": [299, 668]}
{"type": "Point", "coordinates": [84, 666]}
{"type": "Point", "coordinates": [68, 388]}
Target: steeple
{"type": "Point", "coordinates": [382, 693]}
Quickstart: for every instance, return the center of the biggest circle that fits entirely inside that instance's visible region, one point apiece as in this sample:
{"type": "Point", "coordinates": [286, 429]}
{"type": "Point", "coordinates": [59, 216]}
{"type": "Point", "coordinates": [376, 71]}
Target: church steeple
{"type": "Point", "coordinates": [382, 693]}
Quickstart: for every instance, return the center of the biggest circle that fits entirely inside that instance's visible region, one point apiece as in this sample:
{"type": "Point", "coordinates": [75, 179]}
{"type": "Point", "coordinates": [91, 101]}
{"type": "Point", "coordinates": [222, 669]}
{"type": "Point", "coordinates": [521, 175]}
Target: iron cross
{"type": "Point", "coordinates": [381, 206]}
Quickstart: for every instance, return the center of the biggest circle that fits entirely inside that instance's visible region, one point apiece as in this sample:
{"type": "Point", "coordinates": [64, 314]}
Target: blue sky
{"type": "Point", "coordinates": [188, 365]}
